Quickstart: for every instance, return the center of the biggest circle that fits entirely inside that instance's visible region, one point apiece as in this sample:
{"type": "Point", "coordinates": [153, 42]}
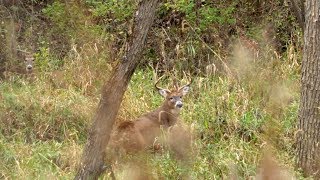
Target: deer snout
{"type": "Point", "coordinates": [29, 67]}
{"type": "Point", "coordinates": [179, 104]}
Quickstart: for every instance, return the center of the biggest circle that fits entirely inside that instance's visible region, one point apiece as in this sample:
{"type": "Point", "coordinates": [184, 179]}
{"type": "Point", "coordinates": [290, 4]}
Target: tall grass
{"type": "Point", "coordinates": [44, 122]}
{"type": "Point", "coordinates": [43, 127]}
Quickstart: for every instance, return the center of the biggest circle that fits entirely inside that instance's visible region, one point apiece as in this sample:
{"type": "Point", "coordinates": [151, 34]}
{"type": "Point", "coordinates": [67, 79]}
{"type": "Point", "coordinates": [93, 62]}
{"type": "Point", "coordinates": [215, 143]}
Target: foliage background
{"type": "Point", "coordinates": [244, 58]}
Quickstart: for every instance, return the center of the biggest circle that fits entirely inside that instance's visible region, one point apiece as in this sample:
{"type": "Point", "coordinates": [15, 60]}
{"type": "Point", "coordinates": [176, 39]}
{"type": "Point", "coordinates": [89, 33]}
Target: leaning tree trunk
{"type": "Point", "coordinates": [92, 164]}
{"type": "Point", "coordinates": [308, 139]}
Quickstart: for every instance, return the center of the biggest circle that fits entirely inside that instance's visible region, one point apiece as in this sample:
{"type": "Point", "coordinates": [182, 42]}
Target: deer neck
{"type": "Point", "coordinates": [167, 116]}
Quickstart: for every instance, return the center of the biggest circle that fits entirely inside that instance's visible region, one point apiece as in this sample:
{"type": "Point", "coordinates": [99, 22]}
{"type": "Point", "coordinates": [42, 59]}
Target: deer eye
{"type": "Point", "coordinates": [171, 98]}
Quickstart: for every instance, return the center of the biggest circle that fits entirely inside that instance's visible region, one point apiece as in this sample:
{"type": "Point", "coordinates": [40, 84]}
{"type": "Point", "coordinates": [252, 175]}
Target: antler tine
{"type": "Point", "coordinates": [175, 81]}
{"type": "Point", "coordinates": [189, 79]}
{"type": "Point", "coordinates": [156, 80]}
{"type": "Point", "coordinates": [156, 84]}
{"type": "Point", "coordinates": [154, 71]}
{"type": "Point", "coordinates": [23, 51]}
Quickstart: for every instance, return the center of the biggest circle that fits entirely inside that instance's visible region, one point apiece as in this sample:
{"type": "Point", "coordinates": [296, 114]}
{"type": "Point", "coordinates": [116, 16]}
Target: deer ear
{"type": "Point", "coordinates": [184, 89]}
{"type": "Point", "coordinates": [163, 92]}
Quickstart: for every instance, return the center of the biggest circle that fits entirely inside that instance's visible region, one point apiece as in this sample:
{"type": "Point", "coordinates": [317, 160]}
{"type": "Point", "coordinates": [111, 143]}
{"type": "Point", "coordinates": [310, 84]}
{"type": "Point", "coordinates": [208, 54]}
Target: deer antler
{"type": "Point", "coordinates": [175, 81]}
{"type": "Point", "coordinates": [189, 79]}
{"type": "Point", "coordinates": [23, 51]}
{"type": "Point", "coordinates": [155, 70]}
{"type": "Point", "coordinates": [156, 84]}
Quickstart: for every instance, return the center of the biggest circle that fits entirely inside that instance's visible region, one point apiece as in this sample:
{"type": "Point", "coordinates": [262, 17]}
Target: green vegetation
{"type": "Point", "coordinates": [43, 129]}
{"type": "Point", "coordinates": [246, 106]}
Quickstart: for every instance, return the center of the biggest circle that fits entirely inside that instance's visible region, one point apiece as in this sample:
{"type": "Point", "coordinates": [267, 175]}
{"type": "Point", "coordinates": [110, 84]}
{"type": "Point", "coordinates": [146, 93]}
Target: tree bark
{"type": "Point", "coordinates": [92, 164]}
{"type": "Point", "coordinates": [8, 41]}
{"type": "Point", "coordinates": [2, 52]}
{"type": "Point", "coordinates": [308, 137]}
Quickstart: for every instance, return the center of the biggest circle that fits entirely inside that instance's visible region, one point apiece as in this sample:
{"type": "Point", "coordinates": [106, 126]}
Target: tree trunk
{"type": "Point", "coordinates": [8, 41]}
{"type": "Point", "coordinates": [2, 51]}
{"type": "Point", "coordinates": [92, 164]}
{"type": "Point", "coordinates": [308, 137]}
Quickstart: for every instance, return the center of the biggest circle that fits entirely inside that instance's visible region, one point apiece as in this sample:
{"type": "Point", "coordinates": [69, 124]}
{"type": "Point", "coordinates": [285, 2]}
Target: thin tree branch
{"type": "Point", "coordinates": [298, 9]}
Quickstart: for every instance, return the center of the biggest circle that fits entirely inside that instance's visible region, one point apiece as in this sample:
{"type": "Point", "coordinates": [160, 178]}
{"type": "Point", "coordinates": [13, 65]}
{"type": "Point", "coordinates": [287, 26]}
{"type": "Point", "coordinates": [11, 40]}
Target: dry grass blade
{"type": "Point", "coordinates": [226, 67]}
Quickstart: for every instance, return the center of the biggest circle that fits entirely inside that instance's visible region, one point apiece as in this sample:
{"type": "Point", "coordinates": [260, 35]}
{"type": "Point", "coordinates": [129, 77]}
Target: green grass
{"type": "Point", "coordinates": [234, 119]}
{"type": "Point", "coordinates": [43, 127]}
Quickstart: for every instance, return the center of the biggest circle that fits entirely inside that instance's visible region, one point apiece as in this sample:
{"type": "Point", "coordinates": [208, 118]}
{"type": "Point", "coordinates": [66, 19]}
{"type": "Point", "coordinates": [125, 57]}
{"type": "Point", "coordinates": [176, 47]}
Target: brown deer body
{"type": "Point", "coordinates": [142, 133]}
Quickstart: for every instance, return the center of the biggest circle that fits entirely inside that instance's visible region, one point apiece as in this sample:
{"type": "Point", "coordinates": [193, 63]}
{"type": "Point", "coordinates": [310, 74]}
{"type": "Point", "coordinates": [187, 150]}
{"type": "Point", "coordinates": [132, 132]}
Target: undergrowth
{"type": "Point", "coordinates": [240, 105]}
{"type": "Point", "coordinates": [44, 127]}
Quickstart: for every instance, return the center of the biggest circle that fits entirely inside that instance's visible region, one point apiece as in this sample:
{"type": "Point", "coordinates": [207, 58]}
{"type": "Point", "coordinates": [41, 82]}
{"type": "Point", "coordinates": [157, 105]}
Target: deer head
{"type": "Point", "coordinates": [173, 98]}
{"type": "Point", "coordinates": [28, 60]}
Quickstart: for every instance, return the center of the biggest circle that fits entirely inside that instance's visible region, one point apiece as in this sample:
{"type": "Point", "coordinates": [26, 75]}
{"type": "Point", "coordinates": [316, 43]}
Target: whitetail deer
{"type": "Point", "coordinates": [271, 170]}
{"type": "Point", "coordinates": [29, 60]}
{"type": "Point", "coordinates": [25, 70]}
{"type": "Point", "coordinates": [142, 133]}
